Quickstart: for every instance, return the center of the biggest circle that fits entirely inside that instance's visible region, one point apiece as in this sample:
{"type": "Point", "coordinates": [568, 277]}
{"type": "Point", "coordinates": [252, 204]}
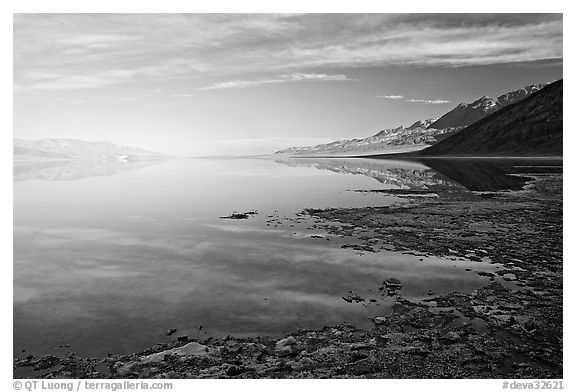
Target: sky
{"type": "Point", "coordinates": [242, 84]}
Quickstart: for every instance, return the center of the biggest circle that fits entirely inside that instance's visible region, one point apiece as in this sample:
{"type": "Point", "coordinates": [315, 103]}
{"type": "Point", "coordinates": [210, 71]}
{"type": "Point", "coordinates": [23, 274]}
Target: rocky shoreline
{"type": "Point", "coordinates": [493, 332]}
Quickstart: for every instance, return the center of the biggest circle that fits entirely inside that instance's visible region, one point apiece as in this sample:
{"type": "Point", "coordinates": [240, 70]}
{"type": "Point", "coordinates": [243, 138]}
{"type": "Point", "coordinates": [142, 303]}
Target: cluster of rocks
{"type": "Point", "coordinates": [352, 297]}
{"type": "Point", "coordinates": [478, 335]}
{"type": "Point", "coordinates": [240, 215]}
{"type": "Point", "coordinates": [391, 286]}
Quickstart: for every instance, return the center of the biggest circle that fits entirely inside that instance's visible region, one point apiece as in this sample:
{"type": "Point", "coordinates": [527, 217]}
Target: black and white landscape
{"type": "Point", "coordinates": [288, 196]}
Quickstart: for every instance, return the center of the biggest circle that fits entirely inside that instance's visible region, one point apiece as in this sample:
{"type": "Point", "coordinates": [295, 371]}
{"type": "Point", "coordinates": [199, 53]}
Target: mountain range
{"type": "Point", "coordinates": [402, 139]}
{"type": "Point", "coordinates": [420, 135]}
{"type": "Point", "coordinates": [530, 127]}
{"type": "Point", "coordinates": [54, 149]}
{"type": "Point", "coordinates": [468, 113]}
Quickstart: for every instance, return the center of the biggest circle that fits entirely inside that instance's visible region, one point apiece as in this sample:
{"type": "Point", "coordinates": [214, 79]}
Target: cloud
{"type": "Point", "coordinates": [412, 100]}
{"type": "Point", "coordinates": [429, 101]}
{"type": "Point", "coordinates": [297, 77]}
{"type": "Point", "coordinates": [128, 99]}
{"type": "Point", "coordinates": [64, 82]}
{"type": "Point", "coordinates": [71, 101]}
{"type": "Point", "coordinates": [77, 51]}
{"type": "Point", "coordinates": [395, 97]}
{"type": "Point", "coordinates": [294, 77]}
{"type": "Point", "coordinates": [241, 84]}
{"type": "Point", "coordinates": [151, 93]}
{"type": "Point", "coordinates": [186, 95]}
{"type": "Point", "coordinates": [98, 40]}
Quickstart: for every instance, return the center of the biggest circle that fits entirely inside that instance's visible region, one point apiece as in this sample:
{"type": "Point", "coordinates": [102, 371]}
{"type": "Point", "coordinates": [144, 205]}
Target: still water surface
{"type": "Point", "coordinates": [107, 258]}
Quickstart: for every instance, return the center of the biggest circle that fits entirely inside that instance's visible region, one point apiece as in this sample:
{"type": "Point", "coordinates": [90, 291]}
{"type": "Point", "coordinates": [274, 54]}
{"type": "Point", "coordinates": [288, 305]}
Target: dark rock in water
{"type": "Point", "coordinates": [391, 285]}
{"type": "Point", "coordinates": [380, 320]}
{"type": "Point", "coordinates": [240, 215]}
{"type": "Point", "coordinates": [183, 338]}
{"type": "Point", "coordinates": [171, 331]}
{"type": "Point", "coordinates": [353, 298]}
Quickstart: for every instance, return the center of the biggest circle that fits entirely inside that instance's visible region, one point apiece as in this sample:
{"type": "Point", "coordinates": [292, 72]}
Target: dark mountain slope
{"type": "Point", "coordinates": [530, 127]}
{"type": "Point", "coordinates": [468, 113]}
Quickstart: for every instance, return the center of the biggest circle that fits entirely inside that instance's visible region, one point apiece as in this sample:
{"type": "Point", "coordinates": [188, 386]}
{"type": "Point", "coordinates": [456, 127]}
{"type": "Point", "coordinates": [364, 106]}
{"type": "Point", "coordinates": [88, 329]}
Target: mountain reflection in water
{"type": "Point", "coordinates": [68, 170]}
{"type": "Point", "coordinates": [480, 174]}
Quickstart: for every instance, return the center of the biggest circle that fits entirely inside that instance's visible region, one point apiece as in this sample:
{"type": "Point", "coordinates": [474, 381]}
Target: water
{"type": "Point", "coordinates": [109, 257]}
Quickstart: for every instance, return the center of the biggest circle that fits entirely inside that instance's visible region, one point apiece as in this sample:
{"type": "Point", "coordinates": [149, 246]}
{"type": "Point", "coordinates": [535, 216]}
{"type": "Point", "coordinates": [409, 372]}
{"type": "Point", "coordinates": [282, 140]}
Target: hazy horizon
{"type": "Point", "coordinates": [241, 84]}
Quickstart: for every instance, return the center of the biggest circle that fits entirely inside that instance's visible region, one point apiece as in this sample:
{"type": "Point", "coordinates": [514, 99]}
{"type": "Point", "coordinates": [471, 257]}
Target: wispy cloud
{"type": "Point", "coordinates": [71, 101]}
{"type": "Point", "coordinates": [186, 95]}
{"type": "Point", "coordinates": [395, 97]}
{"type": "Point", "coordinates": [127, 99]}
{"type": "Point", "coordinates": [78, 51]}
{"type": "Point", "coordinates": [413, 100]}
{"type": "Point", "coordinates": [138, 97]}
{"type": "Point", "coordinates": [429, 101]}
{"type": "Point", "coordinates": [294, 77]}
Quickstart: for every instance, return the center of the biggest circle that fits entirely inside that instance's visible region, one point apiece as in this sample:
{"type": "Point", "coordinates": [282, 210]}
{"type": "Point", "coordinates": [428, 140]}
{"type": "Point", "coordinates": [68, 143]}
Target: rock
{"type": "Point", "coordinates": [171, 331]}
{"type": "Point", "coordinates": [240, 215]}
{"type": "Point", "coordinates": [503, 319]}
{"type": "Point", "coordinates": [391, 285]}
{"type": "Point", "coordinates": [235, 370]}
{"type": "Point", "coordinates": [451, 337]}
{"type": "Point", "coordinates": [353, 298]}
{"type": "Point", "coordinates": [190, 349]}
{"type": "Point", "coordinates": [360, 368]}
{"type": "Point", "coordinates": [380, 320]}
{"type": "Point", "coordinates": [287, 345]}
{"type": "Point", "coordinates": [382, 341]}
{"type": "Point", "coordinates": [46, 362]}
{"type": "Point", "coordinates": [304, 363]}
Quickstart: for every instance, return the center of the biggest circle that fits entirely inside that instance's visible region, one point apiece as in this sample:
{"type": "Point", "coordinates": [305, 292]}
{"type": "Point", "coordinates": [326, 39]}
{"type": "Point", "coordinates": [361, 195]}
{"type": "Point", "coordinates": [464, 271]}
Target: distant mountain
{"type": "Point", "coordinates": [402, 139]}
{"type": "Point", "coordinates": [49, 149]}
{"type": "Point", "coordinates": [530, 127]}
{"type": "Point", "coordinates": [417, 136]}
{"type": "Point", "coordinates": [468, 113]}
{"type": "Point", "coordinates": [422, 124]}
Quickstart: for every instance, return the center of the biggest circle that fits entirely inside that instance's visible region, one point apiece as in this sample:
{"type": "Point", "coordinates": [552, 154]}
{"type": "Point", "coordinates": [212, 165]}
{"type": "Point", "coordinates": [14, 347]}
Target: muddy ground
{"type": "Point", "coordinates": [493, 332]}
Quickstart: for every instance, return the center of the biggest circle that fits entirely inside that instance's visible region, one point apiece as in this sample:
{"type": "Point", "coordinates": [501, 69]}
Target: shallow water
{"type": "Point", "coordinates": [106, 259]}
